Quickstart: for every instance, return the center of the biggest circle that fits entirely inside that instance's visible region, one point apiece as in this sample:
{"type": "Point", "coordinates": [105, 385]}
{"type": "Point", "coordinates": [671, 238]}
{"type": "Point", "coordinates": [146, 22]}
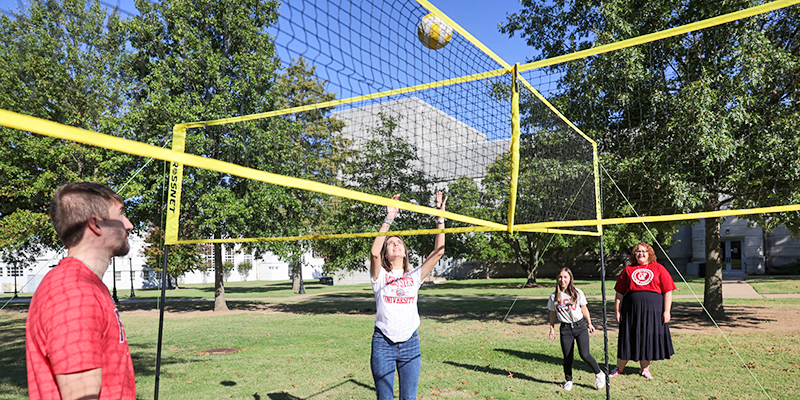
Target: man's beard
{"type": "Point", "coordinates": [123, 248]}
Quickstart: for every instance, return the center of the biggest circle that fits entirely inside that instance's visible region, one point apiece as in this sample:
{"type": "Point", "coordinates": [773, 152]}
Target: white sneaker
{"type": "Point", "coordinates": [567, 385]}
{"type": "Point", "coordinates": [600, 381]}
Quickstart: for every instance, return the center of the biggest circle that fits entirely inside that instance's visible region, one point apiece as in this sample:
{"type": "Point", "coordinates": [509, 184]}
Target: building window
{"type": "Point", "coordinates": [14, 270]}
{"type": "Point", "coordinates": [208, 253]}
{"type": "Point", "coordinates": [229, 255]}
{"type": "Point", "coordinates": [118, 276]}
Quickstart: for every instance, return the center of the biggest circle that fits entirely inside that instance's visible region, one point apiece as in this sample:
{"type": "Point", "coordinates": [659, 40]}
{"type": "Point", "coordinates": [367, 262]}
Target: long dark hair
{"type": "Point", "coordinates": [385, 262]}
{"type": "Point", "coordinates": [573, 293]}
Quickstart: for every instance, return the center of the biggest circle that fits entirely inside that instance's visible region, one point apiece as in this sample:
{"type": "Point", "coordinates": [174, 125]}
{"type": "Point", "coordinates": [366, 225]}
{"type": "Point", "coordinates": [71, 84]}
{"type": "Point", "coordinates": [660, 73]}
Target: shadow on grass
{"type": "Point", "coordinates": [521, 312]}
{"type": "Point", "coordinates": [144, 359]}
{"type": "Point", "coordinates": [526, 312]}
{"type": "Point", "coordinates": [350, 293]}
{"type": "Point", "coordinates": [261, 289]}
{"type": "Point", "coordinates": [482, 284]}
{"type": "Point", "coordinates": [488, 369]}
{"type": "Point", "coordinates": [14, 378]}
{"type": "Point", "coordinates": [305, 307]}
{"type": "Point", "coordinates": [287, 396]}
{"type": "Point", "coordinates": [577, 365]}
{"type": "Point", "coordinates": [692, 316]}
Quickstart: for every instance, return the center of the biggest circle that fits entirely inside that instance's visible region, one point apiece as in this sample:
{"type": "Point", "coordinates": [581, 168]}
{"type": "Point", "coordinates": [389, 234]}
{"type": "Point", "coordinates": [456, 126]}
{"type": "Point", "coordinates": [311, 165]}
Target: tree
{"type": "Point", "coordinates": [549, 179]}
{"type": "Point", "coordinates": [199, 61]}
{"type": "Point", "coordinates": [699, 123]}
{"type": "Point", "coordinates": [183, 258]}
{"type": "Point", "coordinates": [61, 62]}
{"type": "Point", "coordinates": [383, 165]}
{"type": "Point", "coordinates": [315, 151]}
{"type": "Point", "coordinates": [213, 59]}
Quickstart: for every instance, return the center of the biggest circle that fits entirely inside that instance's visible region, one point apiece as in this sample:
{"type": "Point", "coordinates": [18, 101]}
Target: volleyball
{"type": "Point", "coordinates": [433, 32]}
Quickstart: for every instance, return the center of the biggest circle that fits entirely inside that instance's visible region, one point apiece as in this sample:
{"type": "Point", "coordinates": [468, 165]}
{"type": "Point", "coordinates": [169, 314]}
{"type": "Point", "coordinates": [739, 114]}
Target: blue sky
{"type": "Point", "coordinates": [479, 17]}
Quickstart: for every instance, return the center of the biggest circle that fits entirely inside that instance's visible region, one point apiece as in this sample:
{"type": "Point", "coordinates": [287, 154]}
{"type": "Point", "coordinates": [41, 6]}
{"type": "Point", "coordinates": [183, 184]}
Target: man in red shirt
{"type": "Point", "coordinates": [75, 342]}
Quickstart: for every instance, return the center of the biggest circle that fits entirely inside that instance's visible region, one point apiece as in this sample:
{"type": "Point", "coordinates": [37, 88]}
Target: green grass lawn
{"type": "Point", "coordinates": [320, 350]}
{"type": "Point", "coordinates": [452, 288]}
{"type": "Point", "coordinates": [775, 285]}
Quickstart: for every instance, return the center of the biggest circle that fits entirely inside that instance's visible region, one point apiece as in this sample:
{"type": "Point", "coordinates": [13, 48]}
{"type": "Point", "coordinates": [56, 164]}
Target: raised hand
{"type": "Point", "coordinates": [440, 204]}
{"type": "Point", "coordinates": [391, 212]}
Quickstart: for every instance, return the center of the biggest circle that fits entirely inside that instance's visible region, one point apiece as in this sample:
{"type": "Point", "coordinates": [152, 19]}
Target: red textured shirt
{"type": "Point", "coordinates": [74, 326]}
{"type": "Point", "coordinates": [652, 277]}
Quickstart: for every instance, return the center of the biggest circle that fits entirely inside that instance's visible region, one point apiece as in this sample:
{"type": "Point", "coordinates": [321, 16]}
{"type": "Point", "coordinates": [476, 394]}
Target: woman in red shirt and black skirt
{"type": "Point", "coordinates": [642, 304]}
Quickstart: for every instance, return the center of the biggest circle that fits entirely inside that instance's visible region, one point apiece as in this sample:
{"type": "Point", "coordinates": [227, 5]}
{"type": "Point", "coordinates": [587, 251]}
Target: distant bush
{"type": "Point", "coordinates": [785, 269]}
{"type": "Point", "coordinates": [244, 268]}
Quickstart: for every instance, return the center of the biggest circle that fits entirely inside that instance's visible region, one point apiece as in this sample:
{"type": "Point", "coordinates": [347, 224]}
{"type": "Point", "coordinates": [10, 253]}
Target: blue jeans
{"type": "Point", "coordinates": [387, 356]}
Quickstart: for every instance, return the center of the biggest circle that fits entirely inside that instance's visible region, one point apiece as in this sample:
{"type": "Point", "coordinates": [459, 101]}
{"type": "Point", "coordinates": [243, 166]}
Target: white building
{"type": "Point", "coordinates": [746, 249]}
{"type": "Point", "coordinates": [129, 271]}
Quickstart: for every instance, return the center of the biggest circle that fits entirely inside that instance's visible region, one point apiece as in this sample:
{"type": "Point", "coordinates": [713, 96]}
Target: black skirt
{"type": "Point", "coordinates": [642, 335]}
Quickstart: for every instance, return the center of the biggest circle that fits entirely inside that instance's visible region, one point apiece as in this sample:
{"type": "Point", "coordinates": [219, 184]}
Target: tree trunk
{"type": "Point", "coordinates": [533, 262]}
{"type": "Point", "coordinates": [531, 282]}
{"type": "Point", "coordinates": [219, 285]}
{"type": "Point", "coordinates": [712, 296]}
{"type": "Point", "coordinates": [296, 274]}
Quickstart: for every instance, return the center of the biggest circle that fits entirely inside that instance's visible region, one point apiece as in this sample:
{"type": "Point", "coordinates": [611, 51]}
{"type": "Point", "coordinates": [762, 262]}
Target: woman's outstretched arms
{"type": "Point", "coordinates": [377, 245]}
{"type": "Point", "coordinates": [438, 245]}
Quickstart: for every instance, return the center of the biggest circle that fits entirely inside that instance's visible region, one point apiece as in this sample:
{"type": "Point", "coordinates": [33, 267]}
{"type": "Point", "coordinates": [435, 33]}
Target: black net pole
{"type": "Point", "coordinates": [161, 319]}
{"type": "Point", "coordinates": [605, 314]}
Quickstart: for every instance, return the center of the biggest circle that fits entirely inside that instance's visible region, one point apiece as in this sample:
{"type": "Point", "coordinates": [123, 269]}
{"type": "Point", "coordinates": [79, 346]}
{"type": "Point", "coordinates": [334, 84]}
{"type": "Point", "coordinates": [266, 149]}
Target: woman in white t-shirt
{"type": "Point", "coordinates": [395, 344]}
{"type": "Point", "coordinates": [568, 304]}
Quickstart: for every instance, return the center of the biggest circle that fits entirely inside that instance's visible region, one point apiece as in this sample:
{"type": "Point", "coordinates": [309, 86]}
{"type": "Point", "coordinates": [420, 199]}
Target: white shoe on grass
{"type": "Point", "coordinates": [567, 385]}
{"type": "Point", "coordinates": [600, 380]}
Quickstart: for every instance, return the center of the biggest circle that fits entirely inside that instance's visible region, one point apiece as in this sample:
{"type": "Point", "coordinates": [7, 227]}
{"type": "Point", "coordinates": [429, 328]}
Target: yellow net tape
{"type": "Point", "coordinates": [53, 129]}
{"type": "Point", "coordinates": [707, 23]}
{"type": "Point", "coordinates": [391, 233]}
{"type": "Point", "coordinates": [333, 103]}
{"type": "Point", "coordinates": [662, 218]}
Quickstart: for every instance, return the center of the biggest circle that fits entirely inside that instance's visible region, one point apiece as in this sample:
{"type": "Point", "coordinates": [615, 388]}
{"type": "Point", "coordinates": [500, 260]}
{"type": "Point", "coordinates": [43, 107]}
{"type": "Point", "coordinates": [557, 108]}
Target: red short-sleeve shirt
{"type": "Point", "coordinates": [652, 277]}
{"type": "Point", "coordinates": [74, 326]}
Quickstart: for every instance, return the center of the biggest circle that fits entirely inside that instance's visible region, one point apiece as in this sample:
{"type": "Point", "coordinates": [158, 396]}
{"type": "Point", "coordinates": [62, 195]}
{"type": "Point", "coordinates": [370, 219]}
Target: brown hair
{"type": "Point", "coordinates": [573, 294]}
{"type": "Point", "coordinates": [74, 204]}
{"type": "Point", "coordinates": [385, 262]}
{"type": "Point", "coordinates": [651, 254]}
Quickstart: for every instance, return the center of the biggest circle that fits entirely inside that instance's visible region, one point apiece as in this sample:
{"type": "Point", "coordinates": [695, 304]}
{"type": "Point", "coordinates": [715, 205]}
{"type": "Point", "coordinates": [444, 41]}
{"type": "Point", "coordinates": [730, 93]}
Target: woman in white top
{"type": "Point", "coordinates": [395, 344]}
{"type": "Point", "coordinates": [568, 304]}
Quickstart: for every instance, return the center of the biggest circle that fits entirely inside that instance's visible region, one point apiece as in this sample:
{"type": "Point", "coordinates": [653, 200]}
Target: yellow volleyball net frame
{"type": "Point", "coordinates": [179, 159]}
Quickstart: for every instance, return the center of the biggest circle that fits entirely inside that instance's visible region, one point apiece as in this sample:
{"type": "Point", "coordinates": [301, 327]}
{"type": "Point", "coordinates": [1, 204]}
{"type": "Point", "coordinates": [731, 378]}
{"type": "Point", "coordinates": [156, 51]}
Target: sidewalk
{"type": "Point", "coordinates": [737, 288]}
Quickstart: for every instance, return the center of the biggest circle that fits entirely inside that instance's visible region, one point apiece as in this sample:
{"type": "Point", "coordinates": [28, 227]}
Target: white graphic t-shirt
{"type": "Point", "coordinates": [397, 315]}
{"type": "Point", "coordinates": [566, 312]}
